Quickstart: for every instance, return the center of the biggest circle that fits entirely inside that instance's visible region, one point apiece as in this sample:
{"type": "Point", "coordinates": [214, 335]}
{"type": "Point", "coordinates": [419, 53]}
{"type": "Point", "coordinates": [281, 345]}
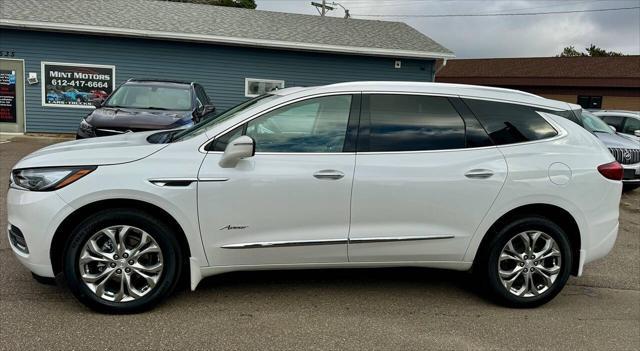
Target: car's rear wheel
{"type": "Point", "coordinates": [122, 261]}
{"type": "Point", "coordinates": [527, 263]}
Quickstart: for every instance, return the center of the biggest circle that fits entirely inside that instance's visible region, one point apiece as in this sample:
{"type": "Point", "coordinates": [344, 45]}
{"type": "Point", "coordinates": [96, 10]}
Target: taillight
{"type": "Point", "coordinates": [613, 170]}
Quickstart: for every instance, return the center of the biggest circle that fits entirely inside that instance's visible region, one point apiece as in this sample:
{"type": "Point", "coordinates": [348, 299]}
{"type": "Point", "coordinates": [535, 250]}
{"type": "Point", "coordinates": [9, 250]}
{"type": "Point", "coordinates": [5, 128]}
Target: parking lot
{"type": "Point", "coordinates": [390, 309]}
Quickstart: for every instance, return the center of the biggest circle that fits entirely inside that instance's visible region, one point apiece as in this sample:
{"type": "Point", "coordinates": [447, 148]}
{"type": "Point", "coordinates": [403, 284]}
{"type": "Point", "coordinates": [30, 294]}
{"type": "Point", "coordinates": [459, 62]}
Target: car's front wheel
{"type": "Point", "coordinates": [527, 263]}
{"type": "Point", "coordinates": [122, 261]}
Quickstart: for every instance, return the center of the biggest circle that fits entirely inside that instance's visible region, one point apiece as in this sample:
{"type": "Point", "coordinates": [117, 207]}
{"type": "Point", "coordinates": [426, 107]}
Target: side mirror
{"type": "Point", "coordinates": [97, 102]}
{"type": "Point", "coordinates": [613, 128]}
{"type": "Point", "coordinates": [636, 133]}
{"type": "Point", "coordinates": [207, 109]}
{"type": "Point", "coordinates": [239, 148]}
{"type": "Point", "coordinates": [203, 111]}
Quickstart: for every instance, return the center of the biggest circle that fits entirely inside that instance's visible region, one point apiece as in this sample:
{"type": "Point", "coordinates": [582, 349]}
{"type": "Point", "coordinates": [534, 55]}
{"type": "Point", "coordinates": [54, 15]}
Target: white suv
{"type": "Point", "coordinates": [369, 174]}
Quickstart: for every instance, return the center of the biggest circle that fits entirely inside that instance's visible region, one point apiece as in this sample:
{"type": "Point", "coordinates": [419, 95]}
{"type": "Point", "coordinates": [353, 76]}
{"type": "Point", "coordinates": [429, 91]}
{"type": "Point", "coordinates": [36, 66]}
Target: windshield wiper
{"type": "Point", "coordinates": [154, 108]}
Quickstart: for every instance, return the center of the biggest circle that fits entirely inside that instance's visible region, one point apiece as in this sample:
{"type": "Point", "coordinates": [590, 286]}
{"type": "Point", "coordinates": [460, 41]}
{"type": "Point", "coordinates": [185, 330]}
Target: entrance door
{"type": "Point", "coordinates": [11, 96]}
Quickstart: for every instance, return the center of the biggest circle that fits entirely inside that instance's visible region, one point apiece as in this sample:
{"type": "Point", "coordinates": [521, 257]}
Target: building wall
{"type": "Point", "coordinates": [608, 102]}
{"type": "Point", "coordinates": [220, 69]}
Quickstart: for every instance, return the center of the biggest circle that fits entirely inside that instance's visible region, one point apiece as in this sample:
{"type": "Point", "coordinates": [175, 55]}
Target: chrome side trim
{"type": "Point", "coordinates": [169, 181]}
{"type": "Point", "coordinates": [213, 179]}
{"type": "Point", "coordinates": [382, 239]}
{"type": "Point", "coordinates": [264, 244]}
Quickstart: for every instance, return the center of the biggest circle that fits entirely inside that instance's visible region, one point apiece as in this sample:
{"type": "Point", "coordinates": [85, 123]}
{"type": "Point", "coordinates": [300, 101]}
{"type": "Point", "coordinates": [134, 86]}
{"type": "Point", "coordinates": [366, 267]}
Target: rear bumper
{"type": "Point", "coordinates": [598, 248]}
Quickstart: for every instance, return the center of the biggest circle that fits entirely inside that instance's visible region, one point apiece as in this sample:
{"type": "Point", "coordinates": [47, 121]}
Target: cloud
{"type": "Point", "coordinates": [505, 36]}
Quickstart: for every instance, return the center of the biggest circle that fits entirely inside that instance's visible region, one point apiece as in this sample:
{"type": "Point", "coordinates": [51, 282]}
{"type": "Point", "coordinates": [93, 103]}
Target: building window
{"type": "Point", "coordinates": [590, 102]}
{"type": "Point", "coordinates": [255, 87]}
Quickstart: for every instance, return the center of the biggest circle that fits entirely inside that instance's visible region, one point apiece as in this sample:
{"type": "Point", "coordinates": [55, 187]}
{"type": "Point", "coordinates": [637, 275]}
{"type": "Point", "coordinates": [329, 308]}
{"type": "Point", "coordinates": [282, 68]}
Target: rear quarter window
{"type": "Point", "coordinates": [510, 123]}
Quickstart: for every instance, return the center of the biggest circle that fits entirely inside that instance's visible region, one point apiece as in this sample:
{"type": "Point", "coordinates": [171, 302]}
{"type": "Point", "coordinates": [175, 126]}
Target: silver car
{"type": "Point", "coordinates": [626, 123]}
{"type": "Point", "coordinates": [625, 150]}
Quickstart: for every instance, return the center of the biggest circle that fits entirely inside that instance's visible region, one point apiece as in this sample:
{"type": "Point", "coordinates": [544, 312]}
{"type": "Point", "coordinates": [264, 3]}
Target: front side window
{"type": "Point", "coordinates": [151, 97]}
{"type": "Point", "coordinates": [615, 121]}
{"type": "Point", "coordinates": [413, 122]}
{"type": "Point", "coordinates": [202, 127]}
{"type": "Point", "coordinates": [313, 125]}
{"type": "Point", "coordinates": [510, 123]}
{"type": "Point", "coordinates": [631, 125]}
{"type": "Point", "coordinates": [201, 95]}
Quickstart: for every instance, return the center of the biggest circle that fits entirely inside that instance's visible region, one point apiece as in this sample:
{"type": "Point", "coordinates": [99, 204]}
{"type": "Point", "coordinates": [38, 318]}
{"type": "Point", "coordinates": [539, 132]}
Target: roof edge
{"type": "Point", "coordinates": [274, 44]}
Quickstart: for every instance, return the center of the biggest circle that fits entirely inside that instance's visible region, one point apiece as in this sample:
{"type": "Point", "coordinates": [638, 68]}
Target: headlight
{"type": "Point", "coordinates": [47, 179]}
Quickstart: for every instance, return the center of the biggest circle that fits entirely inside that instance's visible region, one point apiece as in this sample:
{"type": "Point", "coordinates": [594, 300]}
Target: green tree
{"type": "Point", "coordinates": [570, 51]}
{"type": "Point", "coordinates": [592, 51]}
{"type": "Point", "coordinates": [595, 51]}
{"type": "Point", "coordinates": [247, 4]}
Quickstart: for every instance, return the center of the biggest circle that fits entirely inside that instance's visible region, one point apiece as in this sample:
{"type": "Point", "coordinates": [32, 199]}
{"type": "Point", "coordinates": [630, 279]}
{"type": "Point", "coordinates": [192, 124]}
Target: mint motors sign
{"type": "Point", "coordinates": [75, 84]}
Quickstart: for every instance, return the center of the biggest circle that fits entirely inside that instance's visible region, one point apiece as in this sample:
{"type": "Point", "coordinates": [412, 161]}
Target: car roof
{"type": "Point", "coordinates": [158, 81]}
{"type": "Point", "coordinates": [622, 113]}
{"type": "Point", "coordinates": [463, 90]}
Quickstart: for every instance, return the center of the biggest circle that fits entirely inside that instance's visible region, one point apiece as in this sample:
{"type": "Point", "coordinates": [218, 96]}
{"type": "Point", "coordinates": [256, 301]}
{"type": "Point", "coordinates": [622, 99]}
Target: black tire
{"type": "Point", "coordinates": [160, 232]}
{"type": "Point", "coordinates": [488, 261]}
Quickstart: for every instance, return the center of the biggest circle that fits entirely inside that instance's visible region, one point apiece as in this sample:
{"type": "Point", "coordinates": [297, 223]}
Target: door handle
{"type": "Point", "coordinates": [479, 174]}
{"type": "Point", "coordinates": [328, 174]}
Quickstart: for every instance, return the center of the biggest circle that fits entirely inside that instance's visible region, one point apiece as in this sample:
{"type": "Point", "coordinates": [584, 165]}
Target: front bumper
{"type": "Point", "coordinates": [36, 215]}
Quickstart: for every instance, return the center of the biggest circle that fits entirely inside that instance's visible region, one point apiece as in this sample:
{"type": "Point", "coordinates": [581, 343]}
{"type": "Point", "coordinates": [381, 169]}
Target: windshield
{"type": "Point", "coordinates": [594, 124]}
{"type": "Point", "coordinates": [151, 97]}
{"type": "Point", "coordinates": [228, 114]}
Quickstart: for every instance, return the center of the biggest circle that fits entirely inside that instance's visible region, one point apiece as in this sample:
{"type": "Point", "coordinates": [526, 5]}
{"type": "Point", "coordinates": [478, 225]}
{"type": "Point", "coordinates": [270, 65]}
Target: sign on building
{"type": "Point", "coordinates": [75, 84]}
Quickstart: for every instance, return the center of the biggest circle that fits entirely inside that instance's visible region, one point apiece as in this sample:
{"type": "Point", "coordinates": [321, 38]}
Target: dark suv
{"type": "Point", "coordinates": [140, 105]}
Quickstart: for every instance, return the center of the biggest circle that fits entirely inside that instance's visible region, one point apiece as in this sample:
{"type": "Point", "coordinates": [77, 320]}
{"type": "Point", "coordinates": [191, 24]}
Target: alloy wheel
{"type": "Point", "coordinates": [529, 263]}
{"type": "Point", "coordinates": [121, 263]}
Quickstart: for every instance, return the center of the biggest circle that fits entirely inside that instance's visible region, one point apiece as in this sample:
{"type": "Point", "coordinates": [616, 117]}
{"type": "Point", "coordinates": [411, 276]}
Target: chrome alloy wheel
{"type": "Point", "coordinates": [529, 263]}
{"type": "Point", "coordinates": [121, 263]}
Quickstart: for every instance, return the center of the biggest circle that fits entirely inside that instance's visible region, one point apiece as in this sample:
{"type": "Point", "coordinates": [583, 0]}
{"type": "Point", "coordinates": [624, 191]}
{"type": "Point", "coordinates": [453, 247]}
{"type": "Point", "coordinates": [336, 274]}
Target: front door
{"type": "Point", "coordinates": [419, 190]}
{"type": "Point", "coordinates": [288, 204]}
{"type": "Point", "coordinates": [11, 96]}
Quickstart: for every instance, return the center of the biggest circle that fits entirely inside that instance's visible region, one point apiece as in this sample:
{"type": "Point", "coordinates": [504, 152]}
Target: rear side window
{"type": "Point", "coordinates": [510, 123]}
{"type": "Point", "coordinates": [413, 122]}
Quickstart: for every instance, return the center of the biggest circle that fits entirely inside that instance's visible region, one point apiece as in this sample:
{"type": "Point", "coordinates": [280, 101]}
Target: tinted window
{"type": "Point", "coordinates": [615, 121]}
{"type": "Point", "coordinates": [221, 143]}
{"type": "Point", "coordinates": [313, 125]}
{"type": "Point", "coordinates": [510, 123]}
{"type": "Point", "coordinates": [202, 95]}
{"type": "Point", "coordinates": [413, 122]}
{"type": "Point", "coordinates": [631, 125]}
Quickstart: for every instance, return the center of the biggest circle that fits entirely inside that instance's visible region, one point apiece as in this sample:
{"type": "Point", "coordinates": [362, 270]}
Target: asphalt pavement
{"type": "Point", "coordinates": [383, 309]}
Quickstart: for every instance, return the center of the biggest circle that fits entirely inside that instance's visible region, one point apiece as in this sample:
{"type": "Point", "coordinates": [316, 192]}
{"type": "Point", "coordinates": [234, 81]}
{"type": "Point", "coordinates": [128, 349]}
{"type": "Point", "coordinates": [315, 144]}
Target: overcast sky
{"type": "Point", "coordinates": [503, 36]}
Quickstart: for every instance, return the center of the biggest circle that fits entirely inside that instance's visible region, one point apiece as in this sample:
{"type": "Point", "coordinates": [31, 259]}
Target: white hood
{"type": "Point", "coordinates": [93, 152]}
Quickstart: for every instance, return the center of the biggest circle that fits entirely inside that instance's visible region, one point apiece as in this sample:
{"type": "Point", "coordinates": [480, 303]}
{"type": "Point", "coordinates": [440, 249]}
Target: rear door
{"type": "Point", "coordinates": [424, 179]}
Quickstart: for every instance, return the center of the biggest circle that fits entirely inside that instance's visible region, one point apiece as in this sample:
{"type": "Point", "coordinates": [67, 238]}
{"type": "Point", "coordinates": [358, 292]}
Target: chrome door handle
{"type": "Point", "coordinates": [479, 174]}
{"type": "Point", "coordinates": [328, 174]}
